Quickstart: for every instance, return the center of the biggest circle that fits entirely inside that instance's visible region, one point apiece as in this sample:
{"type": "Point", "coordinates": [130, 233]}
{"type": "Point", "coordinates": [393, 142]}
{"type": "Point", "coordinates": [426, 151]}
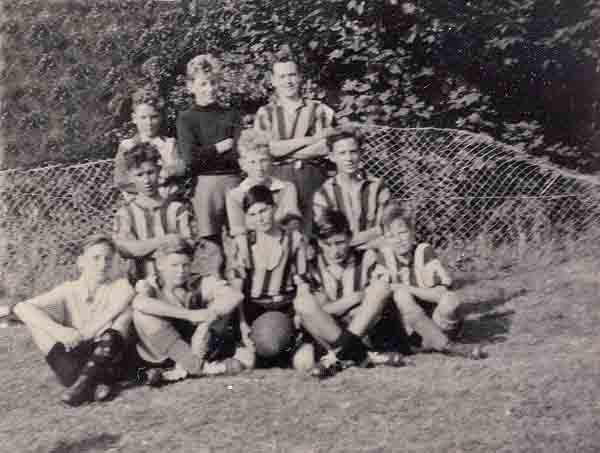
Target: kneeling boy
{"type": "Point", "coordinates": [81, 326]}
{"type": "Point", "coordinates": [184, 321]}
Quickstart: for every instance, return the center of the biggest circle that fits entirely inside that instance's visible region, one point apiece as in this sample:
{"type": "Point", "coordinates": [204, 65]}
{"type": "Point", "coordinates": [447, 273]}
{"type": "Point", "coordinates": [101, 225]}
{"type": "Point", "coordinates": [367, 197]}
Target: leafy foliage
{"type": "Point", "coordinates": [525, 72]}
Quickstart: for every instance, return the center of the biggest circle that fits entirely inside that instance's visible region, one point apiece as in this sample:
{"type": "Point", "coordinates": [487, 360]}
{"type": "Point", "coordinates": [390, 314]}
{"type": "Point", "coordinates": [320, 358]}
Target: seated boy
{"type": "Point", "coordinates": [359, 197]}
{"type": "Point", "coordinates": [346, 288]}
{"type": "Point", "coordinates": [255, 161]}
{"type": "Point", "coordinates": [81, 326]}
{"type": "Point", "coordinates": [185, 321]}
{"type": "Point", "coordinates": [419, 281]}
{"type": "Point", "coordinates": [147, 221]}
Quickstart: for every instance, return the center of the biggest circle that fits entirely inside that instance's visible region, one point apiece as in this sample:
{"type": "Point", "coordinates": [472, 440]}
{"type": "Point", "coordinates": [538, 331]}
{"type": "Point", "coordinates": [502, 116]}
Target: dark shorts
{"type": "Point", "coordinates": [67, 365]}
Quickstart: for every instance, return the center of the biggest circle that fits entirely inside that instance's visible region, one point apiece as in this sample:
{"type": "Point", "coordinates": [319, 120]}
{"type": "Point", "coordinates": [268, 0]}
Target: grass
{"type": "Point", "coordinates": [537, 392]}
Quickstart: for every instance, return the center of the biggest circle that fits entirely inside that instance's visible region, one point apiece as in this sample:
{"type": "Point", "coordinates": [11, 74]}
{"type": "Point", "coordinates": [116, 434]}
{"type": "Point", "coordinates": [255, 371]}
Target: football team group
{"type": "Point", "coordinates": [307, 263]}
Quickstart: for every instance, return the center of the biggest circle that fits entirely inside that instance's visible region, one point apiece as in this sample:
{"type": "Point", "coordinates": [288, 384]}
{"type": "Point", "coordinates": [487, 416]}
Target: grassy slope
{"type": "Point", "coordinates": [536, 393]}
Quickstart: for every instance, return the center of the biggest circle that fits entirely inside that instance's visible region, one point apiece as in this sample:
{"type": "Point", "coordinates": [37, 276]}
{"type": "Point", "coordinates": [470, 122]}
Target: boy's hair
{"type": "Point", "coordinates": [253, 141]}
{"type": "Point", "coordinates": [332, 222]}
{"type": "Point", "coordinates": [96, 239]}
{"type": "Point", "coordinates": [257, 194]}
{"type": "Point", "coordinates": [180, 247]}
{"type": "Point", "coordinates": [205, 64]}
{"type": "Point", "coordinates": [395, 211]}
{"type": "Point", "coordinates": [147, 95]}
{"type": "Point", "coordinates": [343, 134]}
{"type": "Point", "coordinates": [140, 153]}
{"type": "Point", "coordinates": [285, 55]}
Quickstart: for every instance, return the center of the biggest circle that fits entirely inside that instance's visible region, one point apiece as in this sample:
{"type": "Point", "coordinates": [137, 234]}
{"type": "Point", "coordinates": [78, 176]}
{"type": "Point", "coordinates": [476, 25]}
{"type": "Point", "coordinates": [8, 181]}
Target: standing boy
{"type": "Point", "coordinates": [359, 197]}
{"type": "Point", "coordinates": [81, 326]}
{"type": "Point", "coordinates": [148, 220]}
{"type": "Point", "coordinates": [297, 128]}
{"type": "Point", "coordinates": [206, 136]}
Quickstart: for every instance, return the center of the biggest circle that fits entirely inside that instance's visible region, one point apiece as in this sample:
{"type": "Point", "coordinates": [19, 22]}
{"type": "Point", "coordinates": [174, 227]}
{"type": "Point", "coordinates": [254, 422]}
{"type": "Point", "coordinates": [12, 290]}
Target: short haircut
{"type": "Point", "coordinates": [204, 65]}
{"type": "Point", "coordinates": [395, 211]}
{"type": "Point", "coordinates": [285, 55]}
{"type": "Point", "coordinates": [96, 239]}
{"type": "Point", "coordinates": [140, 153]}
{"type": "Point", "coordinates": [332, 222]}
{"type": "Point", "coordinates": [253, 141]}
{"type": "Point", "coordinates": [149, 96]}
{"type": "Point", "coordinates": [343, 134]}
{"type": "Point", "coordinates": [257, 194]}
{"type": "Point", "coordinates": [180, 247]}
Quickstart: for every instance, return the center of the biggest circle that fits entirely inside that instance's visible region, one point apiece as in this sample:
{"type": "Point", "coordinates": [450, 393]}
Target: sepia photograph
{"type": "Point", "coordinates": [310, 226]}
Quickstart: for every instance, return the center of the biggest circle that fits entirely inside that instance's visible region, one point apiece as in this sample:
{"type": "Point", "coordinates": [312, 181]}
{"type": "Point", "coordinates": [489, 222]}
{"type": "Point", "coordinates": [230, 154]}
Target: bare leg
{"type": "Point", "coordinates": [367, 313]}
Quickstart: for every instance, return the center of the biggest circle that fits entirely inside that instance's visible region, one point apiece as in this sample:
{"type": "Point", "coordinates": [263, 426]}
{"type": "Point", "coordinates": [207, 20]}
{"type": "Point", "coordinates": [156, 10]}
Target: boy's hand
{"type": "Point", "coordinates": [224, 145]}
{"type": "Point", "coordinates": [70, 337]}
{"type": "Point", "coordinates": [328, 132]}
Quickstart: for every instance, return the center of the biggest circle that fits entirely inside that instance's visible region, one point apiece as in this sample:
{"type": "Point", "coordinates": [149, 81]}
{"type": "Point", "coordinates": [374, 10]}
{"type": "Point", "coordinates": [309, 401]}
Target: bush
{"type": "Point", "coordinates": [514, 70]}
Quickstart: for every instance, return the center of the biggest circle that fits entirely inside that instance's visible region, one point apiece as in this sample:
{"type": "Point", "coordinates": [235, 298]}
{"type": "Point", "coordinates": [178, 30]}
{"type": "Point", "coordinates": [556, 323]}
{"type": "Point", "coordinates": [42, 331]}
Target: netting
{"type": "Point", "coordinates": [463, 188]}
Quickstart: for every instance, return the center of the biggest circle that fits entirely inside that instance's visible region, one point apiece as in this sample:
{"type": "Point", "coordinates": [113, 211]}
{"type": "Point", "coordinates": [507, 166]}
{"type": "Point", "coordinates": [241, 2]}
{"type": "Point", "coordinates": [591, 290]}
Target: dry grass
{"type": "Point", "coordinates": [537, 392]}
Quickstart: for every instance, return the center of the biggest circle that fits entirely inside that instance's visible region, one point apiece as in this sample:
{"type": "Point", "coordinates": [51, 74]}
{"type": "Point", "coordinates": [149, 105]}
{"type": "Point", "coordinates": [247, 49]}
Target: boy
{"type": "Point", "coordinates": [297, 128]}
{"type": "Point", "coordinates": [206, 135]}
{"type": "Point", "coordinates": [347, 289]}
{"type": "Point", "coordinates": [360, 198]}
{"type": "Point", "coordinates": [148, 221]}
{"type": "Point", "coordinates": [255, 161]}
{"type": "Point", "coordinates": [146, 115]}
{"type": "Point", "coordinates": [419, 280]}
{"type": "Point", "coordinates": [184, 321]}
{"type": "Point", "coordinates": [81, 326]}
{"type": "Point", "coordinates": [274, 257]}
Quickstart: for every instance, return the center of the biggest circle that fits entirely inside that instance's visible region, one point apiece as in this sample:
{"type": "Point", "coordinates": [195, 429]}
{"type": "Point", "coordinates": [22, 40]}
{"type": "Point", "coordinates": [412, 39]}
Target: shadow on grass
{"type": "Point", "coordinates": [486, 320]}
{"type": "Point", "coordinates": [99, 442]}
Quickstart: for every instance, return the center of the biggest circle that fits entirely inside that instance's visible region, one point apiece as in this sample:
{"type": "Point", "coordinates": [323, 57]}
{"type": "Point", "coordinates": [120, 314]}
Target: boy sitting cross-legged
{"type": "Point", "coordinates": [185, 321]}
{"type": "Point", "coordinates": [348, 290]}
{"type": "Point", "coordinates": [358, 196]}
{"type": "Point", "coordinates": [81, 326]}
{"type": "Point", "coordinates": [419, 282]}
{"type": "Point", "coordinates": [148, 221]}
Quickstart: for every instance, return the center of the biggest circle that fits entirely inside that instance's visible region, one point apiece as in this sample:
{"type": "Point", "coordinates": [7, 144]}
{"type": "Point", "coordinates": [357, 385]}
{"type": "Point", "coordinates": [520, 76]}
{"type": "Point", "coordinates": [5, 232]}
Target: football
{"type": "Point", "coordinates": [272, 333]}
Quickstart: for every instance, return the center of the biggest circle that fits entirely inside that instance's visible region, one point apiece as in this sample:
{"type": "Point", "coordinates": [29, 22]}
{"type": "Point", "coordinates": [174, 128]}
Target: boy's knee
{"type": "Point", "coordinates": [304, 358]}
{"type": "Point", "coordinates": [148, 324]}
{"type": "Point", "coordinates": [407, 306]}
{"type": "Point", "coordinates": [306, 305]}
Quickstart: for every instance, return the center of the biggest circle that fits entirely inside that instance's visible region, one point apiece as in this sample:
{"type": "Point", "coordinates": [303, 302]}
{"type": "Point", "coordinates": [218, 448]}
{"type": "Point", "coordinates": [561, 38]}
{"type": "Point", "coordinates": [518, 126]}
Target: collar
{"type": "Point", "coordinates": [274, 184]}
{"type": "Point", "coordinates": [301, 103]}
{"type": "Point", "coordinates": [148, 203]}
{"type": "Point", "coordinates": [359, 178]}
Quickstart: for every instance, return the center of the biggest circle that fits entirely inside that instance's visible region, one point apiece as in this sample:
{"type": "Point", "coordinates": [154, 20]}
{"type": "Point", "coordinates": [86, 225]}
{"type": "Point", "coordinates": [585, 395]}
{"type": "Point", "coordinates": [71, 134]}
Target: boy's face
{"type": "Point", "coordinates": [257, 165]}
{"type": "Point", "coordinates": [204, 88]}
{"type": "Point", "coordinates": [96, 262]}
{"type": "Point", "coordinates": [335, 248]}
{"type": "Point", "coordinates": [174, 269]}
{"type": "Point", "coordinates": [286, 79]}
{"type": "Point", "coordinates": [147, 120]}
{"type": "Point", "coordinates": [259, 217]}
{"type": "Point", "coordinates": [345, 154]}
{"type": "Point", "coordinates": [145, 178]}
{"type": "Point", "coordinates": [398, 236]}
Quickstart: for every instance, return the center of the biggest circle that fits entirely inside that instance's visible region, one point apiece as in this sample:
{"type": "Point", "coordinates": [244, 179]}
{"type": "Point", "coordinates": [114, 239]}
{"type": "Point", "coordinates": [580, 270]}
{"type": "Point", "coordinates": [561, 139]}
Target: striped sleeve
{"type": "Point", "coordinates": [123, 227]}
{"type": "Point", "coordinates": [325, 117]}
{"type": "Point", "coordinates": [185, 221]}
